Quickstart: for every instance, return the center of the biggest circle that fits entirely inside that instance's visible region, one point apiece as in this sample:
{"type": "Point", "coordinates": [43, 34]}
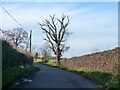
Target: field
{"type": "Point", "coordinates": [40, 60]}
{"type": "Point", "coordinates": [37, 60]}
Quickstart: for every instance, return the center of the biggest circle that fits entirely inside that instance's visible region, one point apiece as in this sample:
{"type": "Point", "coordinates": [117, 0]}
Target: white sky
{"type": "Point", "coordinates": [60, 0]}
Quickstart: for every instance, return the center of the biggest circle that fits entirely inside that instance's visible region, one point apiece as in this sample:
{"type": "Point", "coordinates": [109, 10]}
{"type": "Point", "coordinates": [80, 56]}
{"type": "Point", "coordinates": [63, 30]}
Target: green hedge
{"type": "Point", "coordinates": [12, 58]}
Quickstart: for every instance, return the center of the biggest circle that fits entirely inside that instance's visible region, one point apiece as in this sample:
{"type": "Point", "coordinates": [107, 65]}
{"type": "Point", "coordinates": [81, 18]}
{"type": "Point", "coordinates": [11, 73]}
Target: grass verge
{"type": "Point", "coordinates": [108, 80]}
{"type": "Point", "coordinates": [8, 76]}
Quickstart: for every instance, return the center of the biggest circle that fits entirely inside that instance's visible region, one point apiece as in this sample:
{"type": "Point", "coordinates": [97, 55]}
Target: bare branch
{"type": "Point", "coordinates": [51, 43]}
{"type": "Point", "coordinates": [17, 36]}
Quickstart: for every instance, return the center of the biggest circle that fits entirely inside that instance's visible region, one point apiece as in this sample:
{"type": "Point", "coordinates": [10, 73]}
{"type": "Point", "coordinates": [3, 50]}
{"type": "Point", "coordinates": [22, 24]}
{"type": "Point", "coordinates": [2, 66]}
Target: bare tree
{"type": "Point", "coordinates": [36, 56]}
{"type": "Point", "coordinates": [56, 32]}
{"type": "Point", "coordinates": [4, 34]}
{"type": "Point", "coordinates": [17, 36]}
{"type": "Point", "coordinates": [46, 52]}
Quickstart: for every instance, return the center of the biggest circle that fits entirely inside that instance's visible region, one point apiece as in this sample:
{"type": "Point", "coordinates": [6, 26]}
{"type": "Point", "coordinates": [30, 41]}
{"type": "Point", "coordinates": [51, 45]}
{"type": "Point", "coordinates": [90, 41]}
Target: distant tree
{"type": "Point", "coordinates": [34, 50]}
{"type": "Point", "coordinates": [4, 34]}
{"type": "Point", "coordinates": [45, 52]}
{"type": "Point", "coordinates": [17, 36]}
{"type": "Point", "coordinates": [56, 32]}
{"type": "Point", "coordinates": [36, 56]}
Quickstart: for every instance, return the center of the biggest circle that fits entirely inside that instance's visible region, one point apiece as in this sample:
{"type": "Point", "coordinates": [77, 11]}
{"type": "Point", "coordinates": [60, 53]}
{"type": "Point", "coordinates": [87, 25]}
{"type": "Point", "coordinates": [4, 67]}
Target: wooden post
{"type": "Point", "coordinates": [30, 39]}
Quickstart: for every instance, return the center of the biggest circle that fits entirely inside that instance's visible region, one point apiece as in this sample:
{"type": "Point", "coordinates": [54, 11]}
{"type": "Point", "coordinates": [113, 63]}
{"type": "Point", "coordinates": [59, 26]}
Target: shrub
{"type": "Point", "coordinates": [12, 58]}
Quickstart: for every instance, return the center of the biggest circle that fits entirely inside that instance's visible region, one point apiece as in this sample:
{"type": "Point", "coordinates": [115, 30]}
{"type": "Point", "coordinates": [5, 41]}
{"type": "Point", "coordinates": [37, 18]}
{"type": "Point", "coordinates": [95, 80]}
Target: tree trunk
{"type": "Point", "coordinates": [58, 56]}
{"type": "Point", "coordinates": [15, 46]}
{"type": "Point", "coordinates": [58, 59]}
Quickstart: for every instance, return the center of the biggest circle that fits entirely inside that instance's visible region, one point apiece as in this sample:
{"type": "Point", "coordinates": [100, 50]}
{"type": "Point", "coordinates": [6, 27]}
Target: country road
{"type": "Point", "coordinates": [48, 77]}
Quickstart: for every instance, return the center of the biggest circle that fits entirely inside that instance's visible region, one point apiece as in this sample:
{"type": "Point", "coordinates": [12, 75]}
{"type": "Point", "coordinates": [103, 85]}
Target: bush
{"type": "Point", "coordinates": [12, 58]}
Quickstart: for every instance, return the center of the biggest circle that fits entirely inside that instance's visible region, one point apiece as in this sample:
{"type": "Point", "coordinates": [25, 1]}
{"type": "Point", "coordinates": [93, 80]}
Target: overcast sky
{"type": "Point", "coordinates": [93, 24]}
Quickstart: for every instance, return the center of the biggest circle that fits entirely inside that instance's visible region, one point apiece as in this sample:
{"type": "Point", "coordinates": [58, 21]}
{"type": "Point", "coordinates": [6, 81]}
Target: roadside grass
{"type": "Point", "coordinates": [9, 75]}
{"type": "Point", "coordinates": [108, 80]}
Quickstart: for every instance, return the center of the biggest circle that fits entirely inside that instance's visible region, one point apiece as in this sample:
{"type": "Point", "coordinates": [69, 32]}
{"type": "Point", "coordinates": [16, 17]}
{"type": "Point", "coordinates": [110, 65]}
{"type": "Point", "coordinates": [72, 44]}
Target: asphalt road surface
{"type": "Point", "coordinates": [49, 77]}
